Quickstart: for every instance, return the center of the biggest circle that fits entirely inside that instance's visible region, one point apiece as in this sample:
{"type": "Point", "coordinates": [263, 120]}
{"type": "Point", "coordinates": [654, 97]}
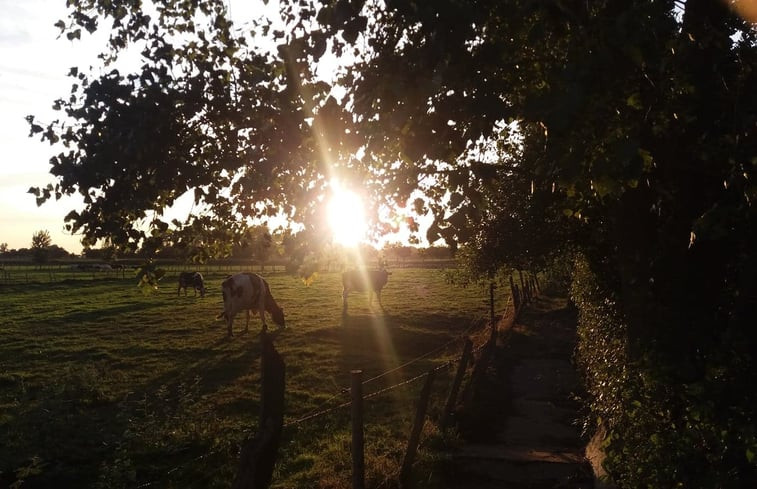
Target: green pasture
{"type": "Point", "coordinates": [102, 385]}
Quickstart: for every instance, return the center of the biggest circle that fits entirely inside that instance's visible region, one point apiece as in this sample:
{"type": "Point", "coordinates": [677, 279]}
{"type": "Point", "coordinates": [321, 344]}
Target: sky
{"type": "Point", "coordinates": [33, 73]}
{"type": "Point", "coordinates": [33, 69]}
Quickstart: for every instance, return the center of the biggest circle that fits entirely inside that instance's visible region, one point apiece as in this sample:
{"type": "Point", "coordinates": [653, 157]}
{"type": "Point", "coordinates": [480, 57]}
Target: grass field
{"type": "Point", "coordinates": [104, 386]}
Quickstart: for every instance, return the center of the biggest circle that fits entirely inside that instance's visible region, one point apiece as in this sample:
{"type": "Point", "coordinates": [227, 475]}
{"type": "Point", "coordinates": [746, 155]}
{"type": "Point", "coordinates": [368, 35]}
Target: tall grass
{"type": "Point", "coordinates": [104, 386]}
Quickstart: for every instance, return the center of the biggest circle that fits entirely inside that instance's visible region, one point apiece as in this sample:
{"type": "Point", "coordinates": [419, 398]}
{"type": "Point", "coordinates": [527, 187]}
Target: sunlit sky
{"type": "Point", "coordinates": [33, 68]}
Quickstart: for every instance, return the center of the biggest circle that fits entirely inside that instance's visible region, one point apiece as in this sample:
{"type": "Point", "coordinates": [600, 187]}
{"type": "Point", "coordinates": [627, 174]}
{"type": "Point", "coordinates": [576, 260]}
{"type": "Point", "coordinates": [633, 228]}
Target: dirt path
{"type": "Point", "coordinates": [523, 432]}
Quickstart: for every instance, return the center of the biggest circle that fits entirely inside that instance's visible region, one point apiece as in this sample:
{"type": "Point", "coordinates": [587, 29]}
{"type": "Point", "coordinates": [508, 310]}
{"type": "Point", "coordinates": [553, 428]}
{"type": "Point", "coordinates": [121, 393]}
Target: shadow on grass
{"type": "Point", "coordinates": [103, 312]}
{"type": "Point", "coordinates": [378, 343]}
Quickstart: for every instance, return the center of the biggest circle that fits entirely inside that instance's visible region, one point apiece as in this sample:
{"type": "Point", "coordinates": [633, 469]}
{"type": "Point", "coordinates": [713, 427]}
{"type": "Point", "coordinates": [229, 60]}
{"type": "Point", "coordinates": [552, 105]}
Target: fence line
{"type": "Point", "coordinates": [377, 393]}
{"type": "Point", "coordinates": [421, 357]}
{"type": "Point", "coordinates": [518, 303]}
{"type": "Point", "coordinates": [322, 412]}
{"type": "Point", "coordinates": [319, 411]}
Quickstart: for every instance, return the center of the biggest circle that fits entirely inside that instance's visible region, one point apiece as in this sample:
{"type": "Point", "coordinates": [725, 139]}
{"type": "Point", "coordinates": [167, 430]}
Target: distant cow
{"type": "Point", "coordinates": [371, 281]}
{"type": "Point", "coordinates": [246, 291]}
{"type": "Point", "coordinates": [191, 279]}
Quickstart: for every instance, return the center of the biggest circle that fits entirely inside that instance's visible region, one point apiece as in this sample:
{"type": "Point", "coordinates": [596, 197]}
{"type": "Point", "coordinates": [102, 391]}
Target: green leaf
{"type": "Point", "coordinates": [646, 158]}
{"type": "Point", "coordinates": [635, 101]}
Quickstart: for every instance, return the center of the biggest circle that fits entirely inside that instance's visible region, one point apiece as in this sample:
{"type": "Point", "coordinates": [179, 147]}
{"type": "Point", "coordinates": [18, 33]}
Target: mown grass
{"type": "Point", "coordinates": [104, 386]}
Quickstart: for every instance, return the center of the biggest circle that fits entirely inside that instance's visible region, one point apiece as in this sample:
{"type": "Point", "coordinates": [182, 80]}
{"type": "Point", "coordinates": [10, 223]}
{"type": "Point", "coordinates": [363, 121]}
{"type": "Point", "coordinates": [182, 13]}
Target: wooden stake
{"type": "Point", "coordinates": [415, 434]}
{"type": "Point", "coordinates": [456, 382]}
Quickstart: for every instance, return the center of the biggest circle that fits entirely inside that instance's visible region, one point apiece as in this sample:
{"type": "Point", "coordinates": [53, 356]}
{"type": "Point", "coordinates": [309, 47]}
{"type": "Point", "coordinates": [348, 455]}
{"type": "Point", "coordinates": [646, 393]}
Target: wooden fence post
{"type": "Point", "coordinates": [258, 456]}
{"type": "Point", "coordinates": [358, 442]}
{"type": "Point", "coordinates": [524, 287]}
{"type": "Point", "coordinates": [517, 298]}
{"type": "Point", "coordinates": [514, 292]}
{"type": "Point", "coordinates": [415, 434]}
{"type": "Point", "coordinates": [456, 382]}
{"type": "Point", "coordinates": [491, 300]}
{"type": "Point", "coordinates": [492, 320]}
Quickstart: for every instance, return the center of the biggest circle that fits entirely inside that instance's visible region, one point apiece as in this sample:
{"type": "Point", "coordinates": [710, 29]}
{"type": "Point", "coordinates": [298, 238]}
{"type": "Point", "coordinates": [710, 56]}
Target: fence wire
{"type": "Point", "coordinates": [320, 411]}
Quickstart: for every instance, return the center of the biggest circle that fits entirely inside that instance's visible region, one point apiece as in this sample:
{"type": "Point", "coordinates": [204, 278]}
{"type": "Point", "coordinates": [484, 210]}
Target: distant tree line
{"type": "Point", "coordinates": [41, 250]}
{"type": "Point", "coordinates": [259, 246]}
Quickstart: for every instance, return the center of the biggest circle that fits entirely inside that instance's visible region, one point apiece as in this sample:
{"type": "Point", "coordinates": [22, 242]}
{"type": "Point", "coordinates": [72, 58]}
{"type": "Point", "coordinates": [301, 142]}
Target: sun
{"type": "Point", "coordinates": [346, 217]}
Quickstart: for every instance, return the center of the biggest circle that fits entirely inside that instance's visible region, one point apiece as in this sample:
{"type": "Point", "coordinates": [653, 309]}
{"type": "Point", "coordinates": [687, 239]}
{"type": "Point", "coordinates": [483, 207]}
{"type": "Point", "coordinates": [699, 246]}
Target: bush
{"type": "Point", "coordinates": [662, 432]}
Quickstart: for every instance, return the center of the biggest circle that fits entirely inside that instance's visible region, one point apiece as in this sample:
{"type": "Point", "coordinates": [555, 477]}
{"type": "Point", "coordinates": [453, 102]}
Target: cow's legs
{"type": "Point", "coordinates": [262, 293]}
{"type": "Point", "coordinates": [262, 318]}
{"type": "Point", "coordinates": [247, 322]}
{"type": "Point", "coordinates": [229, 324]}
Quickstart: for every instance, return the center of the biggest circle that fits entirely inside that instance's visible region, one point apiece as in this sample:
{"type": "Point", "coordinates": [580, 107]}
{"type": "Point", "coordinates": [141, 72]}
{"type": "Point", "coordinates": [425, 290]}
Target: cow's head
{"type": "Point", "coordinates": [277, 314]}
{"type": "Point", "coordinates": [384, 276]}
{"type": "Point", "coordinates": [199, 283]}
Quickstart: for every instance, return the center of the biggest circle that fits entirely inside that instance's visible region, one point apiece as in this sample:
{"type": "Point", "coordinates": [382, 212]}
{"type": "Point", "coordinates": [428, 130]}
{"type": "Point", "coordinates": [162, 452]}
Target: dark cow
{"type": "Point", "coordinates": [371, 281]}
{"type": "Point", "coordinates": [191, 279]}
{"type": "Point", "coordinates": [246, 291]}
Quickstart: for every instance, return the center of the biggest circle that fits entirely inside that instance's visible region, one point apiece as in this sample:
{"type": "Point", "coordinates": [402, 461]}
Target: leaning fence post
{"type": "Point", "coordinates": [456, 382]}
{"type": "Point", "coordinates": [258, 456]}
{"type": "Point", "coordinates": [358, 458]}
{"type": "Point", "coordinates": [415, 434]}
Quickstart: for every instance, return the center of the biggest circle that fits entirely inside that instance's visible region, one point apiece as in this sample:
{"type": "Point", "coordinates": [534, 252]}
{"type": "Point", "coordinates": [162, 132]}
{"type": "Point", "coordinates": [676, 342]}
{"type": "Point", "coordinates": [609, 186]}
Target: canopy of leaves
{"type": "Point", "coordinates": [208, 111]}
{"type": "Point", "coordinates": [41, 239]}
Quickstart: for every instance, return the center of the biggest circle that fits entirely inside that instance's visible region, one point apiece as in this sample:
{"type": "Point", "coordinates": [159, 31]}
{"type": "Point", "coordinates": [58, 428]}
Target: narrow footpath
{"type": "Point", "coordinates": [523, 432]}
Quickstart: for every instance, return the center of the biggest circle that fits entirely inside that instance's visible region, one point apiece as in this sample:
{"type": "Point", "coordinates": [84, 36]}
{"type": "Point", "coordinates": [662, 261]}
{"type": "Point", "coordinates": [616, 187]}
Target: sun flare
{"type": "Point", "coordinates": [347, 217]}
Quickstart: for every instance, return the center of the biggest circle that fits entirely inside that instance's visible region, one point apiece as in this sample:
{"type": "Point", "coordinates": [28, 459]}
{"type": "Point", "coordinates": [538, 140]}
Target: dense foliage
{"type": "Point", "coordinates": [624, 131]}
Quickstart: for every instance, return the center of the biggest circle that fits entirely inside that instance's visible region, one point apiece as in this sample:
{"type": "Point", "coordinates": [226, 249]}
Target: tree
{"type": "Point", "coordinates": [104, 253]}
{"type": "Point", "coordinates": [41, 242]}
{"type": "Point", "coordinates": [208, 113]}
{"type": "Point", "coordinates": [4, 248]}
{"type": "Point", "coordinates": [398, 251]}
{"type": "Point", "coordinates": [257, 245]}
{"type": "Point", "coordinates": [623, 132]}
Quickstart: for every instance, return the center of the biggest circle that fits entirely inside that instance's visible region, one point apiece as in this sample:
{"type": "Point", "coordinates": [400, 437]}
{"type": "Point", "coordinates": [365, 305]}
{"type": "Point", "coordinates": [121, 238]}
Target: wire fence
{"type": "Point", "coordinates": [322, 410]}
{"type": "Point", "coordinates": [509, 315]}
{"type": "Point", "coordinates": [514, 304]}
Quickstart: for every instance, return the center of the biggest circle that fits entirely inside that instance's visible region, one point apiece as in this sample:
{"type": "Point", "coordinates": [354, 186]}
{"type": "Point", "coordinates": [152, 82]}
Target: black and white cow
{"type": "Point", "coordinates": [246, 291]}
{"type": "Point", "coordinates": [371, 281]}
{"type": "Point", "coordinates": [191, 279]}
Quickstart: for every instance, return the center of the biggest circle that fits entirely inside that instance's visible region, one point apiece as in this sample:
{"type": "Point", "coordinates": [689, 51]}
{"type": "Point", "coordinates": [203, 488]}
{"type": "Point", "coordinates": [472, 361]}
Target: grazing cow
{"type": "Point", "coordinates": [246, 291]}
{"type": "Point", "coordinates": [371, 281]}
{"type": "Point", "coordinates": [191, 279]}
